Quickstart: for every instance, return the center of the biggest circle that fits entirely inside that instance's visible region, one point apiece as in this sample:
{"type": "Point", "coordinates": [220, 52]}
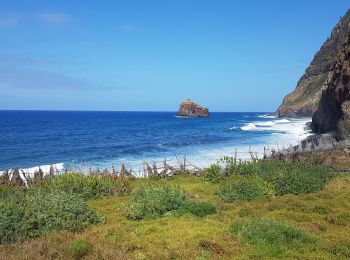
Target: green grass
{"type": "Point", "coordinates": [245, 188]}
{"type": "Point", "coordinates": [199, 208]}
{"type": "Point", "coordinates": [53, 205]}
{"type": "Point", "coordinates": [312, 225]}
{"type": "Point", "coordinates": [79, 248]}
{"type": "Point", "coordinates": [282, 177]}
{"type": "Point", "coordinates": [341, 249]}
{"type": "Point", "coordinates": [269, 237]}
{"type": "Point", "coordinates": [313, 86]}
{"type": "Point", "coordinates": [37, 212]}
{"type": "Point", "coordinates": [157, 201]}
{"type": "Point", "coordinates": [88, 187]}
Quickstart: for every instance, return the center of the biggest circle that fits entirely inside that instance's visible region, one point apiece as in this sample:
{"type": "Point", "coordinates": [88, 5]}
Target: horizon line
{"type": "Point", "coordinates": [151, 111]}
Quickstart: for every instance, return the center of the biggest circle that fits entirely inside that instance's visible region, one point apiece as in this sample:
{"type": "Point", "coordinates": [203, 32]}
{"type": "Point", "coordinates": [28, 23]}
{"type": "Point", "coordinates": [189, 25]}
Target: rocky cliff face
{"type": "Point", "coordinates": [303, 101]}
{"type": "Point", "coordinates": [333, 112]}
{"type": "Point", "coordinates": [190, 109]}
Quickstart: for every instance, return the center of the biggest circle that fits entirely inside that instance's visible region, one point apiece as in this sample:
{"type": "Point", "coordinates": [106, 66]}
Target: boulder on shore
{"type": "Point", "coordinates": [190, 109]}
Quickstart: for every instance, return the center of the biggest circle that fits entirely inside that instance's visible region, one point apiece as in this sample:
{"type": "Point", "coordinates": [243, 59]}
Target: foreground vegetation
{"type": "Point", "coordinates": [53, 205]}
{"type": "Point", "coordinates": [236, 210]}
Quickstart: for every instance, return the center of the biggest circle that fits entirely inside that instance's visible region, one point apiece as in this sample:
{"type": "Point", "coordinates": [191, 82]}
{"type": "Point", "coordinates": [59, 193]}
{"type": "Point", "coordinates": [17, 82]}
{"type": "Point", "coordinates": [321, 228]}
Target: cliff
{"type": "Point", "coordinates": [333, 112]}
{"type": "Point", "coordinates": [190, 109]}
{"type": "Point", "coordinates": [303, 101]}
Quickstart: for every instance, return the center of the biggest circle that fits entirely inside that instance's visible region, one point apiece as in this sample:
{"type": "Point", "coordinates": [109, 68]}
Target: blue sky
{"type": "Point", "coordinates": [150, 55]}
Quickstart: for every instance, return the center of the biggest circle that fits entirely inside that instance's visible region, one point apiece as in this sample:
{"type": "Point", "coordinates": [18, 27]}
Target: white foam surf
{"type": "Point", "coordinates": [279, 133]}
{"type": "Point", "coordinates": [247, 127]}
{"type": "Point", "coordinates": [288, 129]}
{"type": "Point", "coordinates": [266, 116]}
{"type": "Point", "coordinates": [58, 167]}
{"type": "Point", "coordinates": [29, 173]}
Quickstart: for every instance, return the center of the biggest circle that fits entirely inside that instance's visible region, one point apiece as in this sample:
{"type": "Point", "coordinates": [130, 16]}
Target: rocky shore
{"type": "Point", "coordinates": [328, 101]}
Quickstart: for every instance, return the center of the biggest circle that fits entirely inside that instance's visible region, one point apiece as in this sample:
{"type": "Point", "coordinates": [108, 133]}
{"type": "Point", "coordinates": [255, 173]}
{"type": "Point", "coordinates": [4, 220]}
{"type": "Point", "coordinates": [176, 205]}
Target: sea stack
{"type": "Point", "coordinates": [190, 109]}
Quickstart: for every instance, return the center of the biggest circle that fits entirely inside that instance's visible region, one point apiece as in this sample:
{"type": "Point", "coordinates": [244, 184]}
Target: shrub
{"type": "Point", "coordinates": [227, 167]}
{"type": "Point", "coordinates": [9, 191]}
{"type": "Point", "coordinates": [199, 208]}
{"type": "Point", "coordinates": [11, 222]}
{"type": "Point", "coordinates": [286, 177]}
{"type": "Point", "coordinates": [79, 248]}
{"type": "Point", "coordinates": [136, 211]}
{"type": "Point", "coordinates": [298, 183]}
{"type": "Point", "coordinates": [35, 212]}
{"type": "Point", "coordinates": [294, 177]}
{"type": "Point", "coordinates": [88, 187]}
{"type": "Point", "coordinates": [214, 174]}
{"type": "Point", "coordinates": [269, 237]}
{"type": "Point", "coordinates": [244, 188]}
{"type": "Point", "coordinates": [156, 201]}
{"type": "Point", "coordinates": [59, 211]}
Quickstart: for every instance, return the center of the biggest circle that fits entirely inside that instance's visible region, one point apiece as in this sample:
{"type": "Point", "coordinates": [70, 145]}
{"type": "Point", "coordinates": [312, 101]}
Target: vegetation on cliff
{"type": "Point", "coordinates": [303, 101]}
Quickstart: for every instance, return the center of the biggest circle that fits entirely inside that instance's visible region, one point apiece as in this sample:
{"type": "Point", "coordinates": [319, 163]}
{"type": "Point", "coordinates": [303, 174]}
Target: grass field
{"type": "Point", "coordinates": [308, 226]}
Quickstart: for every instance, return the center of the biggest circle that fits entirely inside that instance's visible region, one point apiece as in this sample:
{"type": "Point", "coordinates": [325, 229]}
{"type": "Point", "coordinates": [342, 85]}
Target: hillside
{"type": "Point", "coordinates": [303, 101]}
{"type": "Point", "coordinates": [333, 112]}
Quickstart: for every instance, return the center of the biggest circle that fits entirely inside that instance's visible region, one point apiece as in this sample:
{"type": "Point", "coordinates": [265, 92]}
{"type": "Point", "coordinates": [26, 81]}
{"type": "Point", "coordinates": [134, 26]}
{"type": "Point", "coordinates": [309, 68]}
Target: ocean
{"type": "Point", "coordinates": [101, 139]}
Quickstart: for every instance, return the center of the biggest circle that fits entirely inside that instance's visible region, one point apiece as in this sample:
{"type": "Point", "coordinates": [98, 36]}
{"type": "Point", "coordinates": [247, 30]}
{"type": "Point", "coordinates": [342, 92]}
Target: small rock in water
{"type": "Point", "coordinates": [190, 109]}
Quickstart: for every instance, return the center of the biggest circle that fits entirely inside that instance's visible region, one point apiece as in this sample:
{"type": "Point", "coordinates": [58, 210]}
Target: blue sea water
{"type": "Point", "coordinates": [29, 138]}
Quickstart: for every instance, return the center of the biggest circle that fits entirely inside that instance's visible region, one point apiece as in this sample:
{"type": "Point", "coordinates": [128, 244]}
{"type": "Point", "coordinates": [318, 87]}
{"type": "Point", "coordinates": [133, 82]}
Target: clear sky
{"type": "Point", "coordinates": [150, 55]}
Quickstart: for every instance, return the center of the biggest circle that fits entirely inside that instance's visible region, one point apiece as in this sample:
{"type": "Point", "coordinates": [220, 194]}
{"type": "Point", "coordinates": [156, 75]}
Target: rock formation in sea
{"type": "Point", "coordinates": [190, 109]}
{"type": "Point", "coordinates": [333, 112]}
{"type": "Point", "coordinates": [303, 101]}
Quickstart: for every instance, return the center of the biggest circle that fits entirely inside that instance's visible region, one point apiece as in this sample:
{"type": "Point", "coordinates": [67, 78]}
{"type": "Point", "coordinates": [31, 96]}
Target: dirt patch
{"type": "Point", "coordinates": [212, 247]}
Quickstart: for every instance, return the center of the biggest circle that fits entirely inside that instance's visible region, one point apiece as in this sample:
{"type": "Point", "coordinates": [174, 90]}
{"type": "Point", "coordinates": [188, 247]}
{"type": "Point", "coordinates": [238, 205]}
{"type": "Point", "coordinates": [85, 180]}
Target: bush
{"type": "Point", "coordinates": [298, 183]}
{"type": "Point", "coordinates": [55, 204]}
{"type": "Point", "coordinates": [286, 177]}
{"type": "Point", "coordinates": [199, 208]}
{"type": "Point", "coordinates": [59, 211]}
{"type": "Point", "coordinates": [79, 248]}
{"type": "Point", "coordinates": [9, 191]}
{"type": "Point", "coordinates": [245, 188]}
{"type": "Point", "coordinates": [156, 201]}
{"type": "Point", "coordinates": [269, 237]}
{"type": "Point", "coordinates": [35, 212]}
{"type": "Point", "coordinates": [11, 222]}
{"type": "Point", "coordinates": [294, 177]}
{"type": "Point", "coordinates": [214, 174]}
{"type": "Point", "coordinates": [227, 167]}
{"type": "Point", "coordinates": [88, 187]}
